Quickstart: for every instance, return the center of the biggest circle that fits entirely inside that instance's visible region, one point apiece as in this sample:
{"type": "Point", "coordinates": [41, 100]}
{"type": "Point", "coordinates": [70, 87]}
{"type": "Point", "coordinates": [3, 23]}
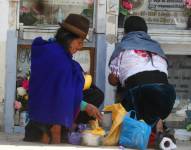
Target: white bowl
{"type": "Point", "coordinates": [90, 139]}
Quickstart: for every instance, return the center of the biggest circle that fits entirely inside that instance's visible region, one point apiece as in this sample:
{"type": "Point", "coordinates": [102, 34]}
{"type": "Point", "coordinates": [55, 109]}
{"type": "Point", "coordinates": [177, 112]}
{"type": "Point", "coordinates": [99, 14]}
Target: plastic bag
{"type": "Point", "coordinates": [134, 133]}
{"type": "Point", "coordinates": [74, 138]}
{"type": "Point", "coordinates": [118, 113]}
{"type": "Point", "coordinates": [95, 128]}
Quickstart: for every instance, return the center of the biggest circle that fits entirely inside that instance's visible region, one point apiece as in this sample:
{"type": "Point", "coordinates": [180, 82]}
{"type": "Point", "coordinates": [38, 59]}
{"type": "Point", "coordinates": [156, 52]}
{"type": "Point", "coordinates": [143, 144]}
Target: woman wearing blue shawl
{"type": "Point", "coordinates": [56, 93]}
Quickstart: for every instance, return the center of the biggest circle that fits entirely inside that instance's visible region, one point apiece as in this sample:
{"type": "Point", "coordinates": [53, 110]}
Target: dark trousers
{"type": "Point", "coordinates": [151, 101]}
{"type": "Point", "coordinates": [34, 130]}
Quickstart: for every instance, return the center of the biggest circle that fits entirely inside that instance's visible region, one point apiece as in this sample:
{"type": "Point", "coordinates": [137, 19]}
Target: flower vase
{"type": "Point", "coordinates": [189, 23]}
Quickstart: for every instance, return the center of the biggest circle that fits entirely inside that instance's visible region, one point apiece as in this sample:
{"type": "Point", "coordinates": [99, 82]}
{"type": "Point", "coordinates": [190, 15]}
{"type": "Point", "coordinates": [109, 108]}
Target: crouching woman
{"type": "Point", "coordinates": [56, 93]}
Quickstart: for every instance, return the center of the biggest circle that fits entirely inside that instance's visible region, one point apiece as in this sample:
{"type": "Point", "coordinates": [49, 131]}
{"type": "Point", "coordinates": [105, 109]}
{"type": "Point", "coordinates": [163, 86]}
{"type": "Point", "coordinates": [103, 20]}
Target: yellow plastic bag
{"type": "Point", "coordinates": [96, 129]}
{"type": "Point", "coordinates": [88, 81]}
{"type": "Point", "coordinates": [118, 113]}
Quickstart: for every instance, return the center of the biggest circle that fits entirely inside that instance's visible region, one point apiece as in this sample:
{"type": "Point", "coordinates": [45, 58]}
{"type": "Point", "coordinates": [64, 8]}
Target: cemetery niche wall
{"type": "Point", "coordinates": [169, 14]}
{"type": "Point", "coordinates": [167, 24]}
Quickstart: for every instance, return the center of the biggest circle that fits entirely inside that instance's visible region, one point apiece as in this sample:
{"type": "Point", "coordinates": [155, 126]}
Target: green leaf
{"type": "Point", "coordinates": [123, 11]}
{"type": "Point", "coordinates": [188, 127]}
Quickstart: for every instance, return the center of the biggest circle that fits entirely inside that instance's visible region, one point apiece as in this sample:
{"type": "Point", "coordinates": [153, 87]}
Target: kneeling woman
{"type": "Point", "coordinates": [56, 93]}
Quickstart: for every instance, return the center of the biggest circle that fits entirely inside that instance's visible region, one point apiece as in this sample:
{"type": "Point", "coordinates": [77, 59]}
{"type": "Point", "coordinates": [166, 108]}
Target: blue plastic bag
{"type": "Point", "coordinates": [134, 133]}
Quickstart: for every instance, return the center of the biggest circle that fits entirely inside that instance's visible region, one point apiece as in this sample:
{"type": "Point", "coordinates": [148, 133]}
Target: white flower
{"type": "Point", "coordinates": [21, 91]}
{"type": "Point", "coordinates": [131, 12]}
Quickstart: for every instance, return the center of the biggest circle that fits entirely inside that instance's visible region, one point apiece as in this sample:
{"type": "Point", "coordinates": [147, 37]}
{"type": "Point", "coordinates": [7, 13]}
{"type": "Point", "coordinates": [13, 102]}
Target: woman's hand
{"type": "Point", "coordinates": [93, 111]}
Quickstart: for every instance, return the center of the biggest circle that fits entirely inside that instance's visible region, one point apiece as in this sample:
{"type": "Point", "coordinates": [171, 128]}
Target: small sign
{"type": "Point", "coordinates": [167, 5]}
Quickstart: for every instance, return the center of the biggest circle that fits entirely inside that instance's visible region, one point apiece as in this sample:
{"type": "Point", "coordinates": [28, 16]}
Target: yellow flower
{"type": "Point", "coordinates": [26, 97]}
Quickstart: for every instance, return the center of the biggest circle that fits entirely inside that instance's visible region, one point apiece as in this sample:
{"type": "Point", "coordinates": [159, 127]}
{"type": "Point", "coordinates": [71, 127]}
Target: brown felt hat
{"type": "Point", "coordinates": [76, 24]}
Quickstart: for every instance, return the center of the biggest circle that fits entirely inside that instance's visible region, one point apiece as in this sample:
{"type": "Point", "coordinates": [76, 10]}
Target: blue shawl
{"type": "Point", "coordinates": [56, 84]}
{"type": "Point", "coordinates": [138, 40]}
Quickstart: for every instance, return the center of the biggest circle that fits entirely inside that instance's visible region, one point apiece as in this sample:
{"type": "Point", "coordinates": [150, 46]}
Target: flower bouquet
{"type": "Point", "coordinates": [26, 16]}
{"type": "Point", "coordinates": [20, 104]}
{"type": "Point", "coordinates": [187, 4]}
{"type": "Point", "coordinates": [126, 7]}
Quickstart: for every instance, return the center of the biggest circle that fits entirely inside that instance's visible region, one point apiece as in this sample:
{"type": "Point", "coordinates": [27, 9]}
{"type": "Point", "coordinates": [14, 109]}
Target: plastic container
{"type": "Point", "coordinates": [24, 118]}
{"type": "Point", "coordinates": [107, 120]}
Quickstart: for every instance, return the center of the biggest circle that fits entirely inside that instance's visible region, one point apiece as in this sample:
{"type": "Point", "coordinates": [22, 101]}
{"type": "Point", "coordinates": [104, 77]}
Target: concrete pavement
{"type": "Point", "coordinates": [14, 142]}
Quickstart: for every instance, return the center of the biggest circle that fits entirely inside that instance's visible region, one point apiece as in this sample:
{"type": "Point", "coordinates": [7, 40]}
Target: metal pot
{"type": "Point", "coordinates": [107, 120]}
